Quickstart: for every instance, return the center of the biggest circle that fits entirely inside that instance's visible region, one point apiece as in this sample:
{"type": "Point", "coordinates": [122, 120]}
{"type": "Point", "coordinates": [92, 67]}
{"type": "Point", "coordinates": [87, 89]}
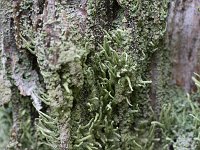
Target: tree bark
{"type": "Point", "coordinates": [86, 67]}
{"type": "Point", "coordinates": [183, 39]}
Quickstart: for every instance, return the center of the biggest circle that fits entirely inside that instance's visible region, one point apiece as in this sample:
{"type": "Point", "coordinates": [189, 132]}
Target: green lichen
{"type": "Point", "coordinates": [89, 66]}
{"type": "Point", "coordinates": [5, 125]}
{"type": "Point", "coordinates": [112, 79]}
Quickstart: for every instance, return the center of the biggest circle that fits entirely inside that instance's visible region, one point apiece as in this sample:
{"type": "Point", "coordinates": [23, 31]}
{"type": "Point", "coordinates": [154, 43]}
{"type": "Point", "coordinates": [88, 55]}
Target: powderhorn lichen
{"type": "Point", "coordinates": [87, 66]}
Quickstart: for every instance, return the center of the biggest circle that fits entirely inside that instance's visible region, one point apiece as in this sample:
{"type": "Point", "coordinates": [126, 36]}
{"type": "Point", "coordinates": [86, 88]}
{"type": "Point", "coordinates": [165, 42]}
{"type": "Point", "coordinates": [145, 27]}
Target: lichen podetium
{"type": "Point", "coordinates": [79, 74]}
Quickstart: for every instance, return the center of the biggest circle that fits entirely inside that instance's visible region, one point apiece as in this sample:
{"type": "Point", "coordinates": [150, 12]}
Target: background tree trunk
{"type": "Point", "coordinates": [183, 36]}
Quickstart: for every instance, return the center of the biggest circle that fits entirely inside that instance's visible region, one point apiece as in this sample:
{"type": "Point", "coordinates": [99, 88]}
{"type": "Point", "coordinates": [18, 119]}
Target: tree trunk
{"type": "Point", "coordinates": [183, 38]}
{"type": "Point", "coordinates": [96, 74]}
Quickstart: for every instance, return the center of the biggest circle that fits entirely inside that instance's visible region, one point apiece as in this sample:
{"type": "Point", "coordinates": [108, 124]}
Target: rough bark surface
{"type": "Point", "coordinates": [183, 34]}
{"type": "Point", "coordinates": [77, 74]}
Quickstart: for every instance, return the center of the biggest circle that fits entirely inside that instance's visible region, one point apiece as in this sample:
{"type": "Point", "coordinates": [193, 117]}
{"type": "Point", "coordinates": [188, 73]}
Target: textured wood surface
{"type": "Point", "coordinates": [184, 40]}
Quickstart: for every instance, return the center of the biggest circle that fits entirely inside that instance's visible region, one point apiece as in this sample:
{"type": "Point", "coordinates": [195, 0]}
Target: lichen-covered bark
{"type": "Point", "coordinates": [96, 72]}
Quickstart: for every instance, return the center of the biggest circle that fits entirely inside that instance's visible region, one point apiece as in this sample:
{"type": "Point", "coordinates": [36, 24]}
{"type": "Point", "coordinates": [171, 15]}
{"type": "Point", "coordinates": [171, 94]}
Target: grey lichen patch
{"type": "Point", "coordinates": [185, 141]}
{"type": "Point", "coordinates": [5, 91]}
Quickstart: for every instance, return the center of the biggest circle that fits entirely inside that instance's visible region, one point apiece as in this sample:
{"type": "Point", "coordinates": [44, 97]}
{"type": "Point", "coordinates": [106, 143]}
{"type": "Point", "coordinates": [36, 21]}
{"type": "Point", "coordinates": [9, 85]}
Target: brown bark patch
{"type": "Point", "coordinates": [183, 39]}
